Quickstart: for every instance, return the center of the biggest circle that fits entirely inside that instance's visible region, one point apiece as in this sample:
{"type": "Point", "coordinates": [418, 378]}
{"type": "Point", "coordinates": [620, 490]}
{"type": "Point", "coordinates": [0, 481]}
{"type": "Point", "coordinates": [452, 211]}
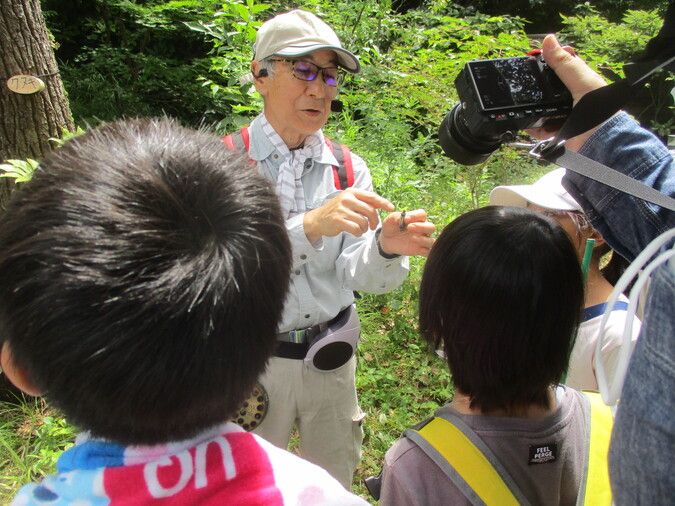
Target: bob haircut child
{"type": "Point", "coordinates": [501, 293]}
{"type": "Point", "coordinates": [143, 270]}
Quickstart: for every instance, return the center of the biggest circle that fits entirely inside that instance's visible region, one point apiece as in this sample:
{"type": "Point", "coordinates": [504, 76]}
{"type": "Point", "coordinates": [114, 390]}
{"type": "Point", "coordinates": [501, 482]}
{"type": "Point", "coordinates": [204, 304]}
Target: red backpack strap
{"type": "Point", "coordinates": [348, 165]}
{"type": "Point", "coordinates": [245, 138]}
{"type": "Point", "coordinates": [343, 174]}
{"type": "Point", "coordinates": [238, 141]}
{"type": "Point", "coordinates": [228, 140]}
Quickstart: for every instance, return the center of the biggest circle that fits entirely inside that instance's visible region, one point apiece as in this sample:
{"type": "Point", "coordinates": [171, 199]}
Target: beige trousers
{"type": "Point", "coordinates": [323, 406]}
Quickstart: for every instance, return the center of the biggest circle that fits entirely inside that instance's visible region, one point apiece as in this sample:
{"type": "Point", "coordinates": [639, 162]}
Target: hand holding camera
{"type": "Point", "coordinates": [579, 79]}
{"type": "Point", "coordinates": [500, 97]}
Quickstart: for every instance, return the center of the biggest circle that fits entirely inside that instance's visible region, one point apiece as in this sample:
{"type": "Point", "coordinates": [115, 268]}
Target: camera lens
{"type": "Point", "coordinates": [459, 144]}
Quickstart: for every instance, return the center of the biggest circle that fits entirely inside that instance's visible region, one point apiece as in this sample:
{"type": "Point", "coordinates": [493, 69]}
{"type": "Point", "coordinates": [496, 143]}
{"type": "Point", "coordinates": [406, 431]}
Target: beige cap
{"type": "Point", "coordinates": [547, 192]}
{"type": "Point", "coordinates": [297, 33]}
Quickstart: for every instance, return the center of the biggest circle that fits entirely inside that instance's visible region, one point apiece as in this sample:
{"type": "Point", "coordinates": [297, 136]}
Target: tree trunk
{"type": "Point", "coordinates": [28, 121]}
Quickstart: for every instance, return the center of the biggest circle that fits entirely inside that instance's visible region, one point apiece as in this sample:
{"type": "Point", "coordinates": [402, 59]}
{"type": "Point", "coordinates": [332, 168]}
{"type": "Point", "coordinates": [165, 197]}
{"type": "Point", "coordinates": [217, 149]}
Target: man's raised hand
{"type": "Point", "coordinates": [352, 210]}
{"type": "Point", "coordinates": [410, 235]}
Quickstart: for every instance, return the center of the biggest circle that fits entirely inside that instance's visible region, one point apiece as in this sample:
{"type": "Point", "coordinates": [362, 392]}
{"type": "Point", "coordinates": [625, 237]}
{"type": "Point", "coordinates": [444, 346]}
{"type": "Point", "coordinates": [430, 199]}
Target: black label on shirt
{"type": "Point", "coordinates": [541, 454]}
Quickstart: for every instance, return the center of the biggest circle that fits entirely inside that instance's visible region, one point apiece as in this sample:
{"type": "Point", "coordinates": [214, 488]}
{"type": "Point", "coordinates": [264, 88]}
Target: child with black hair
{"type": "Point", "coordinates": [548, 196]}
{"type": "Point", "coordinates": [144, 270]}
{"type": "Point", "coordinates": [643, 441]}
{"type": "Point", "coordinates": [501, 294]}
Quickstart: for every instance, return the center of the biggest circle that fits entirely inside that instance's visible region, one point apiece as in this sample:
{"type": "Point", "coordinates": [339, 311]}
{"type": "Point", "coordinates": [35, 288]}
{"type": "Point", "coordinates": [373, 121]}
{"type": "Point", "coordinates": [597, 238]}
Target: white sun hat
{"type": "Point", "coordinates": [297, 33]}
{"type": "Point", "coordinates": [547, 192]}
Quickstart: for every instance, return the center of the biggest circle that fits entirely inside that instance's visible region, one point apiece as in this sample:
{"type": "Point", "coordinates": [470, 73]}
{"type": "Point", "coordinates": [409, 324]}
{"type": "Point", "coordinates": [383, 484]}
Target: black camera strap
{"type": "Point", "coordinates": [599, 105]}
{"type": "Point", "coordinates": [594, 108]}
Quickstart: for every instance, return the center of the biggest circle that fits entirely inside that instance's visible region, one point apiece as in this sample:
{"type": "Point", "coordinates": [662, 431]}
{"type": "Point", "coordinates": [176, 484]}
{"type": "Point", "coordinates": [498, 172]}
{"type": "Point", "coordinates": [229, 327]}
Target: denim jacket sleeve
{"type": "Point", "coordinates": [627, 223]}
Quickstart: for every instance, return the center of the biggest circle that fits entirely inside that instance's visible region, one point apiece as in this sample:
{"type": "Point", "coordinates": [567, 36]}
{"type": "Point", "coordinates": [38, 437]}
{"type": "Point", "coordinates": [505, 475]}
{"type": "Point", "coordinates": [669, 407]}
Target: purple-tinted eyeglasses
{"type": "Point", "coordinates": [308, 71]}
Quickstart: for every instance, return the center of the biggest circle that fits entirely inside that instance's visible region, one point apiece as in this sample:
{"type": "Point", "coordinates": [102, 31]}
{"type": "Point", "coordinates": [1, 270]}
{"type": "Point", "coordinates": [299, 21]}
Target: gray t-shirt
{"type": "Point", "coordinates": [412, 478]}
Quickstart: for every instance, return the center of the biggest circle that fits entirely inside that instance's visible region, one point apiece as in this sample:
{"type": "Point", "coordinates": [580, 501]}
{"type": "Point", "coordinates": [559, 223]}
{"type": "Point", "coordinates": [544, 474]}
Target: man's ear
{"type": "Point", "coordinates": [258, 77]}
{"type": "Point", "coordinates": [15, 373]}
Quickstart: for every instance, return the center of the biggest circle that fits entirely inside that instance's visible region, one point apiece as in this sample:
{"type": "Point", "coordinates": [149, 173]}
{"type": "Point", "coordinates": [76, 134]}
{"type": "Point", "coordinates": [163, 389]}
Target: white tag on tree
{"type": "Point", "coordinates": [25, 84]}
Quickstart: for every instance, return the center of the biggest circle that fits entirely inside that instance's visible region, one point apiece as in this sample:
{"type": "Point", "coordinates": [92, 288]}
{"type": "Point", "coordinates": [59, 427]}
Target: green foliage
{"type": "Point", "coordinates": [32, 436]}
{"type": "Point", "coordinates": [20, 171]}
{"type": "Point", "coordinates": [417, 77]}
{"type": "Point", "coordinates": [232, 32]}
{"type": "Point", "coordinates": [113, 82]}
{"type": "Point", "coordinates": [133, 58]}
{"type": "Point", "coordinates": [66, 135]}
{"type": "Point", "coordinates": [543, 14]}
{"type": "Point", "coordinates": [604, 44]}
{"type": "Point", "coordinates": [607, 46]}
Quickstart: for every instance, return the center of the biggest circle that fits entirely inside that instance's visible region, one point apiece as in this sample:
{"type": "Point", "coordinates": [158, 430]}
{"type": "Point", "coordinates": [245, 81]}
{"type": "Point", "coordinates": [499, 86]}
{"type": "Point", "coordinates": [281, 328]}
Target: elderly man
{"type": "Point", "coordinates": [339, 244]}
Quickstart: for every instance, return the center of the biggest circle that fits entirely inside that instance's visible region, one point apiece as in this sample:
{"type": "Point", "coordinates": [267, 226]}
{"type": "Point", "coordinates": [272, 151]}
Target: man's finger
{"type": "Point", "coordinates": [423, 228]}
{"type": "Point", "coordinates": [572, 71]}
{"type": "Point", "coordinates": [373, 199]}
{"type": "Point", "coordinates": [555, 55]}
{"type": "Point", "coordinates": [570, 50]}
{"type": "Point", "coordinates": [362, 208]}
{"type": "Point", "coordinates": [425, 242]}
{"type": "Point", "coordinates": [415, 216]}
{"type": "Point", "coordinates": [360, 220]}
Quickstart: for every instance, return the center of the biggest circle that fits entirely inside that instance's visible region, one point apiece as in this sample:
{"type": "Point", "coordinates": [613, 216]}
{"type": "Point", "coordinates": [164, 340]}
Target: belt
{"type": "Point", "coordinates": [302, 335]}
{"type": "Point", "coordinates": [295, 343]}
{"type": "Point", "coordinates": [296, 351]}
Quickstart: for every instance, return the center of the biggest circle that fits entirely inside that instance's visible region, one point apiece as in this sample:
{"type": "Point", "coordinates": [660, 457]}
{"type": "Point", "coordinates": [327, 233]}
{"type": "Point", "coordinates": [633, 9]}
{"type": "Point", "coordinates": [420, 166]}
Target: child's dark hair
{"type": "Point", "coordinates": [143, 270]}
{"type": "Point", "coordinates": [502, 293]}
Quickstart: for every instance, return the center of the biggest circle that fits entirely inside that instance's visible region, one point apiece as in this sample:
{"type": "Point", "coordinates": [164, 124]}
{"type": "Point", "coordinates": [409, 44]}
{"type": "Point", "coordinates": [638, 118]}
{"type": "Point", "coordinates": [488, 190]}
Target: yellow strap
{"type": "Point", "coordinates": [598, 491]}
{"type": "Point", "coordinates": [468, 461]}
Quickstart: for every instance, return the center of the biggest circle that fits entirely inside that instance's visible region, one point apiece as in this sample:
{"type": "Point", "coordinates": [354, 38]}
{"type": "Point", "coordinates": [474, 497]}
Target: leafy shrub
{"type": "Point", "coordinates": [32, 436]}
{"type": "Point", "coordinates": [20, 171]}
{"type": "Point", "coordinates": [542, 14]}
{"type": "Point", "coordinates": [232, 32]}
{"type": "Point", "coordinates": [132, 58]}
{"type": "Point", "coordinates": [607, 46]}
{"type": "Point", "coordinates": [107, 83]}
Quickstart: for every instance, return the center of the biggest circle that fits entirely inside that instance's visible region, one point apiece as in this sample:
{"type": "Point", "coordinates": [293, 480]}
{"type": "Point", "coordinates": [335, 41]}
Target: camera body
{"type": "Point", "coordinates": [497, 98]}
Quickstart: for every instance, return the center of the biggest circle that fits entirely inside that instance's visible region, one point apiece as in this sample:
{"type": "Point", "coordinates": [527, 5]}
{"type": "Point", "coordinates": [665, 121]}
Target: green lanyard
{"type": "Point", "coordinates": [588, 254]}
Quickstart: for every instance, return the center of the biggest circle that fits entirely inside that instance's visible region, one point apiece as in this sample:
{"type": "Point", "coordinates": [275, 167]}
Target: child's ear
{"type": "Point", "coordinates": [16, 374]}
{"type": "Point", "coordinates": [599, 240]}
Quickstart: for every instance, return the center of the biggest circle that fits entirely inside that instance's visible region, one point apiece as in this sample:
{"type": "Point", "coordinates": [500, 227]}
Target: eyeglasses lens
{"type": "Point", "coordinates": [308, 72]}
{"type": "Point", "coordinates": [305, 70]}
{"type": "Point", "coordinates": [331, 77]}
